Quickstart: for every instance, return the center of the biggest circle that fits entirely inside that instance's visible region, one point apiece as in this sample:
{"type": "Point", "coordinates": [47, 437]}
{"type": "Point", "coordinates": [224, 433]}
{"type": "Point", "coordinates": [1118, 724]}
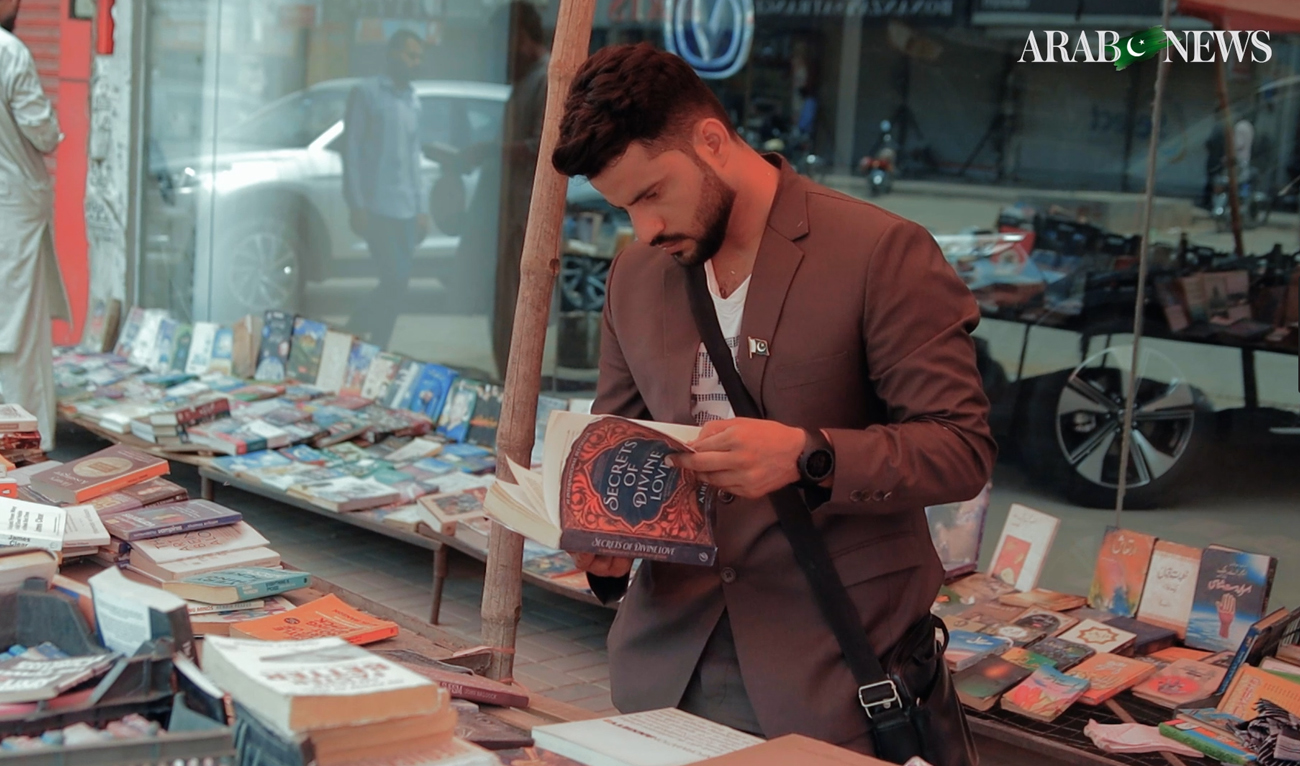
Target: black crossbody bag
{"type": "Point", "coordinates": [909, 700]}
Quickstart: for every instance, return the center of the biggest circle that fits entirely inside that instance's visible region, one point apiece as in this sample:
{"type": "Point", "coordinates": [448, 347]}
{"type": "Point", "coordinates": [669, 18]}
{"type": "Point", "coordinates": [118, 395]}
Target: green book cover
{"type": "Point", "coordinates": [1216, 745]}
{"type": "Point", "coordinates": [253, 582]}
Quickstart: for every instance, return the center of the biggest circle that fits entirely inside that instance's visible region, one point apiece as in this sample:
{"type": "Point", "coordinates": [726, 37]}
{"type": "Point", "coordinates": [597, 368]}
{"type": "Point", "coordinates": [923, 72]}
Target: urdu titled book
{"type": "Point", "coordinates": [606, 486]}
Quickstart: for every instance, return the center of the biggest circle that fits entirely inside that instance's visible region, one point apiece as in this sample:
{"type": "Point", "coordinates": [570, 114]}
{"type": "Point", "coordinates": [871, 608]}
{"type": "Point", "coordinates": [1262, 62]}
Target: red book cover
{"type": "Point", "coordinates": [199, 413]}
{"type": "Point", "coordinates": [98, 474]}
{"type": "Point", "coordinates": [157, 492]}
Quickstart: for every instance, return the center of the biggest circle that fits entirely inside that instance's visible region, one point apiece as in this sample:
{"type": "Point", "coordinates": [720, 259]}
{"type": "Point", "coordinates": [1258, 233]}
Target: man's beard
{"type": "Point", "coordinates": [9, 23]}
{"type": "Point", "coordinates": [713, 216]}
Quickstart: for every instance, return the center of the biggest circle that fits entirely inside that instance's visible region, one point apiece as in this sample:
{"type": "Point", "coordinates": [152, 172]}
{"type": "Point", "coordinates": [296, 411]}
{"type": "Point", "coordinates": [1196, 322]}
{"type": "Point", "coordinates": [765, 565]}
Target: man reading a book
{"type": "Point", "coordinates": [850, 331]}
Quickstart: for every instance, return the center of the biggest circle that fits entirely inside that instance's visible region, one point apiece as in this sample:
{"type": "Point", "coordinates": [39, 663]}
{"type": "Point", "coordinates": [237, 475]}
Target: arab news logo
{"type": "Point", "coordinates": [713, 36]}
{"type": "Point", "coordinates": [1193, 47]}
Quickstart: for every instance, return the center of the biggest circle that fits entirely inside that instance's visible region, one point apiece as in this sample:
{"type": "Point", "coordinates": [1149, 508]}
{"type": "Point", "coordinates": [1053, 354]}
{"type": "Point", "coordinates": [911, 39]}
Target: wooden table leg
{"type": "Point", "coordinates": [207, 488]}
{"type": "Point", "coordinates": [439, 580]}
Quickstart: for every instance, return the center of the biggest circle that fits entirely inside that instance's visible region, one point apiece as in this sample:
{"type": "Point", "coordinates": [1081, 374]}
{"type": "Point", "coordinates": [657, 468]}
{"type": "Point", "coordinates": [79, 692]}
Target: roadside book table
{"type": "Point", "coordinates": [193, 456]}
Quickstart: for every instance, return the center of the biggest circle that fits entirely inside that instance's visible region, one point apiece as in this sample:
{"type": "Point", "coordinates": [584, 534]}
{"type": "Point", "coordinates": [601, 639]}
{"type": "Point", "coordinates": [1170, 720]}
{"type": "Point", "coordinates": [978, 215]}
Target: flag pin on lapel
{"type": "Point", "coordinates": [757, 347]}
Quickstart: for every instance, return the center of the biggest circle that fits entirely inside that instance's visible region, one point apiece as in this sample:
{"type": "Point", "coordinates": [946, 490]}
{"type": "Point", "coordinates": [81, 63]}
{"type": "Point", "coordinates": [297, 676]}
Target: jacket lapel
{"type": "Point", "coordinates": [775, 265]}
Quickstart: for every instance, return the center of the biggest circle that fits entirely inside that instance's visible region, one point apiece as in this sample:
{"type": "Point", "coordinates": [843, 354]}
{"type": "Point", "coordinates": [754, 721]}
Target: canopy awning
{"type": "Point", "coordinates": [1281, 16]}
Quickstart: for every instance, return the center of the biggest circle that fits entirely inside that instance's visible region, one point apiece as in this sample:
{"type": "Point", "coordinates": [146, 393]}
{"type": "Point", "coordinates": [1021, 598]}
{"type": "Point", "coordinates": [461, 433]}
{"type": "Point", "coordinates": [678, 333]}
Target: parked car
{"type": "Point", "coordinates": [267, 204]}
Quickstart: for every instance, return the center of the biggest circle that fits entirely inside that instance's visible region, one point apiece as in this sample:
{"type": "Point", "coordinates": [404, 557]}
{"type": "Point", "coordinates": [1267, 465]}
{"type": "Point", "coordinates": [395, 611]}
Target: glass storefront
{"type": "Point", "coordinates": [253, 191]}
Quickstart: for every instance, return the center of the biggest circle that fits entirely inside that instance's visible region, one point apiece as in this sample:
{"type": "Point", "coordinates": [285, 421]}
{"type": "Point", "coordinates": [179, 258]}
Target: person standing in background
{"type": "Point", "coordinates": [383, 186]}
{"type": "Point", "coordinates": [29, 271]}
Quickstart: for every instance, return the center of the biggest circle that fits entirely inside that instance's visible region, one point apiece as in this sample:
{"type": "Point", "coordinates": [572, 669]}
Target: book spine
{"type": "Point", "coordinates": [191, 416]}
{"type": "Point", "coordinates": [584, 541]}
{"type": "Point", "coordinates": [1239, 659]}
{"type": "Point", "coordinates": [270, 587]}
{"type": "Point", "coordinates": [1221, 752]}
{"type": "Point", "coordinates": [483, 696]}
{"type": "Point", "coordinates": [181, 528]}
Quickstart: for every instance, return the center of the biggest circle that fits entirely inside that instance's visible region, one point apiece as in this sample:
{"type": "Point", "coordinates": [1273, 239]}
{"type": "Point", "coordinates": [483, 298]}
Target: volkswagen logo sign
{"type": "Point", "coordinates": [713, 36]}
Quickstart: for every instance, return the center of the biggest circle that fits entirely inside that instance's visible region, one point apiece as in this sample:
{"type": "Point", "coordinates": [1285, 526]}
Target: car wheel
{"type": "Point", "coordinates": [1071, 434]}
{"type": "Point", "coordinates": [265, 257]}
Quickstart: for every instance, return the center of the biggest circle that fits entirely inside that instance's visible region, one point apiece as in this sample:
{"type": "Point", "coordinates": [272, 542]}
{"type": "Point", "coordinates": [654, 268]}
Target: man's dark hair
{"type": "Point", "coordinates": [400, 38]}
{"type": "Point", "coordinates": [628, 93]}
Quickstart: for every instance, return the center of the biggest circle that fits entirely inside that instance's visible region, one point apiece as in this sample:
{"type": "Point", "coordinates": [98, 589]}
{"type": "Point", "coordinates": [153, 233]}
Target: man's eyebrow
{"type": "Point", "coordinates": [642, 194]}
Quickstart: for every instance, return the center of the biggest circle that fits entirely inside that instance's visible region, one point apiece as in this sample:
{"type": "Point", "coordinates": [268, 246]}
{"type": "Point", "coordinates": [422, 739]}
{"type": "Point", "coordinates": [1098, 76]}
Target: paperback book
{"type": "Point", "coordinates": [1022, 548]}
{"type": "Point", "coordinates": [957, 529]}
{"type": "Point", "coordinates": [1109, 674]}
{"type": "Point", "coordinates": [324, 617]}
{"type": "Point", "coordinates": [979, 686]}
{"type": "Point", "coordinates": [1045, 694]}
{"type": "Point", "coordinates": [273, 354]}
{"type": "Point", "coordinates": [1232, 592]}
{"type": "Point", "coordinates": [1171, 586]}
{"type": "Point", "coordinates": [1122, 565]}
{"type": "Point", "coordinates": [306, 350]}
{"type": "Point", "coordinates": [1180, 684]}
{"type": "Point", "coordinates": [606, 487]}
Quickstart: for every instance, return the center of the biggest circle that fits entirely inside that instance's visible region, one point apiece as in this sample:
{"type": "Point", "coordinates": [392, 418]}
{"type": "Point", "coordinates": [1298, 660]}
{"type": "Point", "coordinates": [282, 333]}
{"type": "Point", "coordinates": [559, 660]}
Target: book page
{"type": "Point", "coordinates": [654, 738]}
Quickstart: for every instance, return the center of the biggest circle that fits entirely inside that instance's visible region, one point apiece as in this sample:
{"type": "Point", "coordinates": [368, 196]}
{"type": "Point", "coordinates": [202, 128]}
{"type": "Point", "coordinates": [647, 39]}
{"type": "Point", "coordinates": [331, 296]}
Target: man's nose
{"type": "Point", "coordinates": [646, 227]}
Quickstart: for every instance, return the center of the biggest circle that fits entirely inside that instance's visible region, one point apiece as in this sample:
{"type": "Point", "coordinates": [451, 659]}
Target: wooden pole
{"type": "Point", "coordinates": [1230, 150]}
{"type": "Point", "coordinates": [1139, 308]}
{"type": "Point", "coordinates": [540, 262]}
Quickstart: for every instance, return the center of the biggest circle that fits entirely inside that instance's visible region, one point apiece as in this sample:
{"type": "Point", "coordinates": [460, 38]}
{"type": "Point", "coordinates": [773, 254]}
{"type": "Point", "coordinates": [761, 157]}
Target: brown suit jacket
{"type": "Point", "coordinates": [869, 334]}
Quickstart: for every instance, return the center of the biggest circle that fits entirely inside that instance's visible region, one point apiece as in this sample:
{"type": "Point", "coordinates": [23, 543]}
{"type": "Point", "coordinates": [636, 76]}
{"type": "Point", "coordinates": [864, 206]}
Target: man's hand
{"type": "Point", "coordinates": [358, 220]}
{"type": "Point", "coordinates": [603, 566]}
{"type": "Point", "coordinates": [746, 457]}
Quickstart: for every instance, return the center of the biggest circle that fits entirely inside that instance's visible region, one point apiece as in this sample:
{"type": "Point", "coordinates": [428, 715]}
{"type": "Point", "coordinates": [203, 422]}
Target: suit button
{"type": "Point", "coordinates": [728, 575]}
{"type": "Point", "coordinates": [725, 497]}
{"type": "Point", "coordinates": [857, 495]}
{"type": "Point", "coordinates": [888, 495]}
{"type": "Point", "coordinates": [877, 496]}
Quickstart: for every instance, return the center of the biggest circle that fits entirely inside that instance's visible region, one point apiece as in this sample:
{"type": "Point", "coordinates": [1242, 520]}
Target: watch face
{"type": "Point", "coordinates": [819, 464]}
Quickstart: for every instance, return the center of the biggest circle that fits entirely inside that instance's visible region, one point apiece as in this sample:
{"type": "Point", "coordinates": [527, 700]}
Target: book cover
{"type": "Point", "coordinates": [1049, 622]}
{"type": "Point", "coordinates": [1180, 683]}
{"type": "Point", "coordinates": [1045, 694]}
{"type": "Point", "coordinates": [180, 354]}
{"type": "Point", "coordinates": [659, 737]}
{"type": "Point", "coordinates": [430, 391]}
{"type": "Point", "coordinates": [219, 623]}
{"type": "Point", "coordinates": [82, 528]}
{"type": "Point", "coordinates": [273, 354]}
{"type": "Point", "coordinates": [317, 684]}
{"type": "Point", "coordinates": [1170, 587]}
{"type": "Point", "coordinates": [1098, 636]}
{"type": "Point", "coordinates": [487, 415]}
{"type": "Point", "coordinates": [1063, 654]}
{"type": "Point", "coordinates": [164, 346]}
{"type": "Point", "coordinates": [1121, 571]}
{"type": "Point", "coordinates": [252, 461]}
{"type": "Point", "coordinates": [163, 520]}
{"type": "Point", "coordinates": [15, 419]}
{"type": "Point", "coordinates": [980, 685]}
{"type": "Point", "coordinates": [1149, 638]}
{"type": "Point", "coordinates": [992, 613]}
{"type": "Point", "coordinates": [231, 586]}
{"type": "Point", "coordinates": [360, 358]}
{"type": "Point", "coordinates": [1110, 674]}
{"type": "Point", "coordinates": [205, 563]}
{"type": "Point", "coordinates": [130, 331]}
{"type": "Point", "coordinates": [379, 377]}
{"type": "Point", "coordinates": [308, 344]}
{"type": "Point", "coordinates": [324, 617]}
{"type": "Point", "coordinates": [1232, 590]}
{"type": "Point", "coordinates": [1023, 546]}
{"type": "Point", "coordinates": [98, 474]}
{"type": "Point", "coordinates": [30, 525]}
{"type": "Point", "coordinates": [966, 648]}
{"type": "Point", "coordinates": [347, 493]}
{"type": "Point", "coordinates": [1019, 635]}
{"type": "Point", "coordinates": [980, 587]}
{"type": "Point", "coordinates": [1262, 637]}
{"type": "Point", "coordinates": [245, 346]}
{"type": "Point", "coordinates": [957, 529]}
{"type": "Point", "coordinates": [446, 510]}
{"type": "Point", "coordinates": [1251, 685]}
{"type": "Point", "coordinates": [1218, 745]}
{"type": "Point", "coordinates": [203, 338]}
{"type": "Point", "coordinates": [461, 685]}
{"type": "Point", "coordinates": [332, 369]}
{"type": "Point", "coordinates": [454, 421]}
{"type": "Point", "coordinates": [1027, 658]}
{"type": "Point", "coordinates": [225, 539]}
{"type": "Point", "coordinates": [403, 384]}
{"type": "Point", "coordinates": [144, 349]}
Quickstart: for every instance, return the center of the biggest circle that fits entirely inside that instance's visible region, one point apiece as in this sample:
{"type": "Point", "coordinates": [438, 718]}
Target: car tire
{"type": "Point", "coordinates": [1069, 438]}
{"type": "Point", "coordinates": [264, 255]}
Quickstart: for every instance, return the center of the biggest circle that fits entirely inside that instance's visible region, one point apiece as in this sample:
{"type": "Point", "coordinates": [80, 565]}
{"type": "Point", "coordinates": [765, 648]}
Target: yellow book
{"type": "Point", "coordinates": [1251, 685]}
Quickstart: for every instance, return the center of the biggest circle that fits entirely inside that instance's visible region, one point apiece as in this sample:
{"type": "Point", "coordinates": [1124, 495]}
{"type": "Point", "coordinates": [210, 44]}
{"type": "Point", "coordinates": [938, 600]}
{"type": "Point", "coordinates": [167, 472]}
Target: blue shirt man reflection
{"type": "Point", "coordinates": [382, 184]}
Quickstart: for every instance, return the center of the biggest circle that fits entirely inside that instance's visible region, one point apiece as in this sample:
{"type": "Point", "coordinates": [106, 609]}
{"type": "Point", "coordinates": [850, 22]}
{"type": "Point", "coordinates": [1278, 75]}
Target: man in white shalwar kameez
{"type": "Point", "coordinates": [31, 288]}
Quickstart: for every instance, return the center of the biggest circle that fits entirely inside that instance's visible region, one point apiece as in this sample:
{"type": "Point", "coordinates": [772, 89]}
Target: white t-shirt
{"type": "Point", "coordinates": [708, 397]}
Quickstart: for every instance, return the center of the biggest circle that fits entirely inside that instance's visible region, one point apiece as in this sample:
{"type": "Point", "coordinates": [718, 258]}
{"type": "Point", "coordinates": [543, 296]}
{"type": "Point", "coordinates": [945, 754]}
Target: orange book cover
{"type": "Point", "coordinates": [1121, 571]}
{"type": "Point", "coordinates": [97, 474]}
{"type": "Point", "coordinates": [1251, 685]}
{"type": "Point", "coordinates": [327, 616]}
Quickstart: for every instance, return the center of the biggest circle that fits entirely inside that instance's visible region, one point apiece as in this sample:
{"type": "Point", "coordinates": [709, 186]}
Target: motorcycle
{"type": "Point", "coordinates": [880, 168]}
{"type": "Point", "coordinates": [1254, 200]}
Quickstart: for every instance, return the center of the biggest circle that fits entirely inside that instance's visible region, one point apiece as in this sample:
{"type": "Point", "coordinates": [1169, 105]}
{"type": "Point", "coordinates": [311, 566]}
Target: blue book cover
{"type": "Point", "coordinates": [236, 464]}
{"type": "Point", "coordinates": [248, 583]}
{"type": "Point", "coordinates": [223, 351]}
{"type": "Point", "coordinates": [1232, 592]}
{"type": "Point", "coordinates": [304, 454]}
{"type": "Point", "coordinates": [966, 648]}
{"type": "Point", "coordinates": [165, 344]}
{"type": "Point", "coordinates": [453, 423]}
{"type": "Point", "coordinates": [306, 349]}
{"type": "Point", "coordinates": [399, 391]}
{"type": "Point", "coordinates": [464, 451]}
{"type": "Point", "coordinates": [430, 391]}
{"type": "Point", "coordinates": [359, 360]}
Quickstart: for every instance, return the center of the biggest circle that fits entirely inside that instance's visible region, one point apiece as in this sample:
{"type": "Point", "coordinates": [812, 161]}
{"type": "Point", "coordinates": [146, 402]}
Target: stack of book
{"type": "Point", "coordinates": [332, 702]}
{"type": "Point", "coordinates": [171, 427]}
{"type": "Point", "coordinates": [20, 437]}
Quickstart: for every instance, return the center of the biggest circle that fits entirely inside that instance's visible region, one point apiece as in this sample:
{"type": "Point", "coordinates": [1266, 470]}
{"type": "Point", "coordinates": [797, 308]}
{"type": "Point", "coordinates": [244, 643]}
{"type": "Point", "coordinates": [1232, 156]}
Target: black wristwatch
{"type": "Point", "coordinates": [817, 461]}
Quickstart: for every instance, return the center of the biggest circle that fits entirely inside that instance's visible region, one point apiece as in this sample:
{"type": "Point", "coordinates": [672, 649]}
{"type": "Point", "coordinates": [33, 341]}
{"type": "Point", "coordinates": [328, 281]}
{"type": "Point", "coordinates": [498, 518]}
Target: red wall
{"type": "Point", "coordinates": [61, 47]}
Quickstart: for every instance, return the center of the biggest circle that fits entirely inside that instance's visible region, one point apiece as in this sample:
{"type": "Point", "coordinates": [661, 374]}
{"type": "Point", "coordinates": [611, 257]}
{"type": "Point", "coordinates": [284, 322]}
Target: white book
{"type": "Point", "coordinates": [1171, 586]}
{"type": "Point", "coordinates": [380, 375]}
{"type": "Point", "coordinates": [666, 737]}
{"type": "Point", "coordinates": [202, 340]}
{"type": "Point", "coordinates": [124, 613]}
{"type": "Point", "coordinates": [201, 542]}
{"type": "Point", "coordinates": [334, 355]}
{"type": "Point", "coordinates": [417, 449]}
{"type": "Point", "coordinates": [83, 528]}
{"type": "Point", "coordinates": [30, 525]}
{"type": "Point", "coordinates": [1022, 549]}
{"type": "Point", "coordinates": [145, 348]}
{"type": "Point", "coordinates": [196, 608]}
{"type": "Point", "coordinates": [212, 562]}
{"type": "Point", "coordinates": [298, 686]}
{"type": "Point", "coordinates": [15, 419]}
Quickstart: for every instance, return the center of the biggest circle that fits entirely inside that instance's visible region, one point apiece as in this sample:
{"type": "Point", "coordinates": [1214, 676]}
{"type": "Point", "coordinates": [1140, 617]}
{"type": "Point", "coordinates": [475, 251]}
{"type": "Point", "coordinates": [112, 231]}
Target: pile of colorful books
{"type": "Point", "coordinates": [20, 438]}
{"type": "Point", "coordinates": [1184, 628]}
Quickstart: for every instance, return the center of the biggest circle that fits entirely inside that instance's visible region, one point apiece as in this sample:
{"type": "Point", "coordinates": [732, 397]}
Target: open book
{"type": "Point", "coordinates": [604, 488]}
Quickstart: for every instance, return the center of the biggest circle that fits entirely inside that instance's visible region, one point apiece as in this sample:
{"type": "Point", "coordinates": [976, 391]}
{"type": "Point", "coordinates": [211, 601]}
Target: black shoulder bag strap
{"type": "Point", "coordinates": [895, 737]}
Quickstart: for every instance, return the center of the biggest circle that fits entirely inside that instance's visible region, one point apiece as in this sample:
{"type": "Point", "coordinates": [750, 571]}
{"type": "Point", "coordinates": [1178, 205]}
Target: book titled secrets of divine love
{"type": "Point", "coordinates": [606, 486]}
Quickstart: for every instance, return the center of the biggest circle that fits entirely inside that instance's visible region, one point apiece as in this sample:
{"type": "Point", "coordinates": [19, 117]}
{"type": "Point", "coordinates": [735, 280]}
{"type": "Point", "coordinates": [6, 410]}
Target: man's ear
{"type": "Point", "coordinates": [713, 140]}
